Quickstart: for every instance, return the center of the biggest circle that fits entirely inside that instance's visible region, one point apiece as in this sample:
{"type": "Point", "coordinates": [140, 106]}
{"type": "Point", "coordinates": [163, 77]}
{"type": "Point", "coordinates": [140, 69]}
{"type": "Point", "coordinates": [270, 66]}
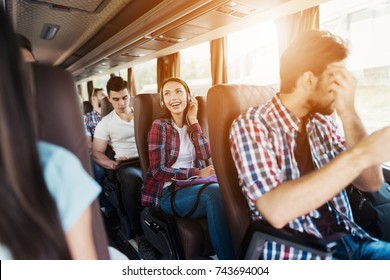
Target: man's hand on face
{"type": "Point", "coordinates": [343, 86]}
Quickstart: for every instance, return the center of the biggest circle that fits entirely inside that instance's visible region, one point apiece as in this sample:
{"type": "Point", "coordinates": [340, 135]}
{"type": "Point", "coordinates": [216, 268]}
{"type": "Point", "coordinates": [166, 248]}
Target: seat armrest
{"type": "Point", "coordinates": [259, 232]}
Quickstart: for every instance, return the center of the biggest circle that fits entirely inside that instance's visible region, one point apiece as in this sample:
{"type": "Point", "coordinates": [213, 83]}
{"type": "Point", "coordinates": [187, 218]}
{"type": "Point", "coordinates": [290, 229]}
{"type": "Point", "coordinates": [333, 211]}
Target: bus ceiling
{"type": "Point", "coordinates": [99, 36]}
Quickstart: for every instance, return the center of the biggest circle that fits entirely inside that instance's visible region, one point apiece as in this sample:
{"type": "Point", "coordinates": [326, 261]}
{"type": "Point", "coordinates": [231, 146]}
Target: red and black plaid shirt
{"type": "Point", "coordinates": [164, 145]}
{"type": "Point", "coordinates": [263, 140]}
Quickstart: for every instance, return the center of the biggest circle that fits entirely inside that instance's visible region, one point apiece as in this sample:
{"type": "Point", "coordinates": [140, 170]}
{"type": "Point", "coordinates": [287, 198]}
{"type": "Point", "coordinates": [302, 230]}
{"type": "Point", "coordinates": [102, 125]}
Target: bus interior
{"type": "Point", "coordinates": [216, 46]}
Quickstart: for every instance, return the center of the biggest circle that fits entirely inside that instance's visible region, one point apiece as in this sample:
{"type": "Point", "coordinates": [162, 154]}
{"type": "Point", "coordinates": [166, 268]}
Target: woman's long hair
{"type": "Point", "coordinates": [29, 223]}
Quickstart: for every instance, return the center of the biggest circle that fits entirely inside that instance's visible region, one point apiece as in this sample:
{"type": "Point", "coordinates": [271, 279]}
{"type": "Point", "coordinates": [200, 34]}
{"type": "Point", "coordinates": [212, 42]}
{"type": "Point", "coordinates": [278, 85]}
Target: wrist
{"type": "Point", "coordinates": [360, 157]}
{"type": "Point", "coordinates": [347, 114]}
{"type": "Point", "coordinates": [192, 121]}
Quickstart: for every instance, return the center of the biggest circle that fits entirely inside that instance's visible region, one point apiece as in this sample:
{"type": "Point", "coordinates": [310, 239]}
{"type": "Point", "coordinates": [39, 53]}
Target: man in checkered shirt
{"type": "Point", "coordinates": [293, 162]}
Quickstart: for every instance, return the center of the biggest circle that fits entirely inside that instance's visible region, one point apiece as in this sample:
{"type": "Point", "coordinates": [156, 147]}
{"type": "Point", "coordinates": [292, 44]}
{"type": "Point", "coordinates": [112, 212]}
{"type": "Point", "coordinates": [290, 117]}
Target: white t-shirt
{"type": "Point", "coordinates": [186, 156]}
{"type": "Point", "coordinates": [119, 133]}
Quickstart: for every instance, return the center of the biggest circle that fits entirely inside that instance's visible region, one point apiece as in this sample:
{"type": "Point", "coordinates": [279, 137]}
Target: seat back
{"type": "Point", "coordinates": [146, 110]}
{"type": "Point", "coordinates": [224, 104]}
{"type": "Point", "coordinates": [59, 121]}
{"type": "Point", "coordinates": [87, 107]}
{"type": "Point", "coordinates": [106, 106]}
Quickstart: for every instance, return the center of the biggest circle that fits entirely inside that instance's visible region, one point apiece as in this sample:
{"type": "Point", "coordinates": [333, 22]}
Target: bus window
{"type": "Point", "coordinates": [84, 91]}
{"type": "Point", "coordinates": [364, 24]}
{"type": "Point", "coordinates": [195, 68]}
{"type": "Point", "coordinates": [145, 76]}
{"type": "Point", "coordinates": [253, 55]}
{"type": "Point", "coordinates": [101, 81]}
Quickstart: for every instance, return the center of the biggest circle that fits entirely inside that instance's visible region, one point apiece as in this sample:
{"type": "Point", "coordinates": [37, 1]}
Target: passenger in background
{"type": "Point", "coordinates": [25, 48]}
{"type": "Point", "coordinates": [45, 192]}
{"type": "Point", "coordinates": [176, 146]}
{"type": "Point", "coordinates": [293, 164]}
{"type": "Point", "coordinates": [117, 130]}
{"type": "Point", "coordinates": [92, 118]}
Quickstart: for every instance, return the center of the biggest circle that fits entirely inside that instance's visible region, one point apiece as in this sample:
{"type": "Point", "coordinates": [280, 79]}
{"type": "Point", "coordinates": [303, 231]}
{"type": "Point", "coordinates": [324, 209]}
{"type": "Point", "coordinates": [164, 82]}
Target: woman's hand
{"type": "Point", "coordinates": [207, 171]}
{"type": "Point", "coordinates": [192, 113]}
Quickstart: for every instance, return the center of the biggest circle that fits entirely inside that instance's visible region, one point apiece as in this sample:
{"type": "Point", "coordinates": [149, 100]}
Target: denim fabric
{"type": "Point", "coordinates": [99, 174]}
{"type": "Point", "coordinates": [352, 247]}
{"type": "Point", "coordinates": [131, 183]}
{"type": "Point", "coordinates": [210, 205]}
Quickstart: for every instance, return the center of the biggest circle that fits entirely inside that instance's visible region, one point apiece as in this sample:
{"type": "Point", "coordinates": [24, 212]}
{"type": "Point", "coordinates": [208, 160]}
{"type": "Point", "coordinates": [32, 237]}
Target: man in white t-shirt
{"type": "Point", "coordinates": [117, 130]}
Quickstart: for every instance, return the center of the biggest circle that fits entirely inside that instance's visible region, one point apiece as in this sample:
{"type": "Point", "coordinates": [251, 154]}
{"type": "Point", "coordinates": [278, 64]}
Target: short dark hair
{"type": "Point", "coordinates": [311, 51]}
{"type": "Point", "coordinates": [115, 84]}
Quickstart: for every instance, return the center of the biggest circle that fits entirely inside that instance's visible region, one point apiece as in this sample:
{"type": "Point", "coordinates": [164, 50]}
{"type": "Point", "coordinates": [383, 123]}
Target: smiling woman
{"type": "Point", "coordinates": [190, 146]}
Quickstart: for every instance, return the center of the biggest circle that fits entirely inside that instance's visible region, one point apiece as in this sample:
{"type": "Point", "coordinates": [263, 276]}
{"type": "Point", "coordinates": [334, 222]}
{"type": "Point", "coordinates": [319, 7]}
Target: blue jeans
{"type": "Point", "coordinates": [210, 205]}
{"type": "Point", "coordinates": [100, 173]}
{"type": "Point", "coordinates": [352, 247]}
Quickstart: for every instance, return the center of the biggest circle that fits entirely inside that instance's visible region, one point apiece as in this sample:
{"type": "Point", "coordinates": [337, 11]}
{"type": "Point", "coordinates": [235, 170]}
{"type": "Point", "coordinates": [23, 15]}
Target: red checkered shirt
{"type": "Point", "coordinates": [164, 145]}
{"type": "Point", "coordinates": [263, 140]}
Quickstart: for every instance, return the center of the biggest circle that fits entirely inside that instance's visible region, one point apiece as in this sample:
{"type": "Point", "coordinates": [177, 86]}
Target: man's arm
{"type": "Point", "coordinates": [344, 87]}
{"type": "Point", "coordinates": [99, 147]}
{"type": "Point", "coordinates": [292, 199]}
{"type": "Point", "coordinates": [371, 178]}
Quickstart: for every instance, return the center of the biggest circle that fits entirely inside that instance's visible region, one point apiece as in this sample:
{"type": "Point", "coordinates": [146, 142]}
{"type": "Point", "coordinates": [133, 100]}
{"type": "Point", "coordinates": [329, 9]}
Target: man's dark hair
{"type": "Point", "coordinates": [311, 51]}
{"type": "Point", "coordinates": [115, 84]}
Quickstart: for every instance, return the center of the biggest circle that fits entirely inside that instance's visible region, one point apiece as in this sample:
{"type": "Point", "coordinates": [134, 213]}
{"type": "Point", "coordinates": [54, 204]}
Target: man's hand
{"type": "Point", "coordinates": [343, 85]}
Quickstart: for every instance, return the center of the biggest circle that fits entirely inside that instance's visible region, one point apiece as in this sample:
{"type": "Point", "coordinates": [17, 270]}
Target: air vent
{"type": "Point", "coordinates": [235, 9]}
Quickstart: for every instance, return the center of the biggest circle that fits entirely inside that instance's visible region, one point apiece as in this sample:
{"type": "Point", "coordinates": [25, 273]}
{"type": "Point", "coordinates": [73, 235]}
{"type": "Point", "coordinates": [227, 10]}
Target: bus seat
{"type": "Point", "coordinates": [59, 121]}
{"type": "Point", "coordinates": [106, 106]}
{"type": "Point", "coordinates": [202, 118]}
{"type": "Point", "coordinates": [87, 107]}
{"type": "Point", "coordinates": [174, 238]}
{"type": "Point", "coordinates": [225, 103]}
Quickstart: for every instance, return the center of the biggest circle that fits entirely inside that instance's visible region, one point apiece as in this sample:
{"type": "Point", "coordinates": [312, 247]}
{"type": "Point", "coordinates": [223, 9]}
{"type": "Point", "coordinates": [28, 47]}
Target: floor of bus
{"type": "Point", "coordinates": [118, 240]}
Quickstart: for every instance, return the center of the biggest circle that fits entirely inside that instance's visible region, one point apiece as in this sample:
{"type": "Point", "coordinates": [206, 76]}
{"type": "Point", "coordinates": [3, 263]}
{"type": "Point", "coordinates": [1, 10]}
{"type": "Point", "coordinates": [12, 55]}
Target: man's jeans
{"type": "Point", "coordinates": [351, 247]}
{"type": "Point", "coordinates": [100, 173]}
{"type": "Point", "coordinates": [131, 183]}
{"type": "Point", "coordinates": [210, 206]}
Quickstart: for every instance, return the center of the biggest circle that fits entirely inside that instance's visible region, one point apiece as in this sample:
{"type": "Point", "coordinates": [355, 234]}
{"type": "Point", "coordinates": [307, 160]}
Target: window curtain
{"type": "Point", "coordinates": [79, 90]}
{"type": "Point", "coordinates": [218, 61]}
{"type": "Point", "coordinates": [167, 67]}
{"type": "Point", "coordinates": [290, 26]}
{"type": "Point", "coordinates": [90, 89]}
{"type": "Point", "coordinates": [131, 82]}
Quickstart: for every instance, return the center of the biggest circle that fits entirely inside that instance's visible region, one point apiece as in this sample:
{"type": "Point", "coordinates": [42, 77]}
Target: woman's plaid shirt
{"type": "Point", "coordinates": [164, 145]}
{"type": "Point", "coordinates": [262, 145]}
